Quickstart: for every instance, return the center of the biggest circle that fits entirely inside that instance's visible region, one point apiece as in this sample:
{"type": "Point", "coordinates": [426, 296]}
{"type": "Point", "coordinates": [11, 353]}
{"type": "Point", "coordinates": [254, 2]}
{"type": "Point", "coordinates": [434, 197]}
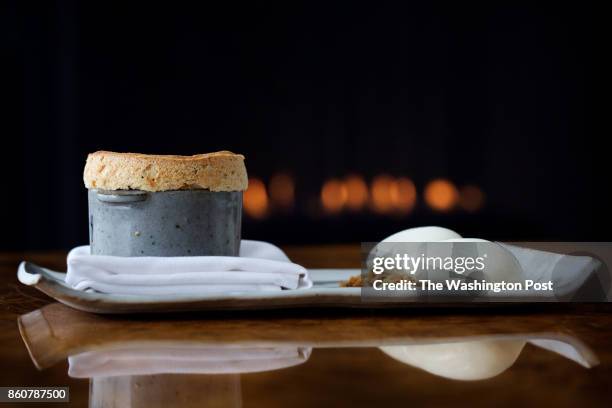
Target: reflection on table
{"type": "Point", "coordinates": [188, 361]}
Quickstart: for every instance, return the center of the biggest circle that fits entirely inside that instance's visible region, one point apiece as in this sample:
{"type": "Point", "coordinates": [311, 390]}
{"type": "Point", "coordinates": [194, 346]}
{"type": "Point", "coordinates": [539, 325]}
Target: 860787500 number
{"type": "Point", "coordinates": [46, 394]}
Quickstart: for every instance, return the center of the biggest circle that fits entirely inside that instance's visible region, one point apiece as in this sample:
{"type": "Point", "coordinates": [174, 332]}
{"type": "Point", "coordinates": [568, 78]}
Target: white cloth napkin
{"type": "Point", "coordinates": [184, 359]}
{"type": "Point", "coordinates": [260, 266]}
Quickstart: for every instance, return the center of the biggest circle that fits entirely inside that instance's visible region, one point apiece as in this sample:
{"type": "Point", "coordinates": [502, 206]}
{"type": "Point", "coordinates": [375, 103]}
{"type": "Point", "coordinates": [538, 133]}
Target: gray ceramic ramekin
{"type": "Point", "coordinates": [164, 223]}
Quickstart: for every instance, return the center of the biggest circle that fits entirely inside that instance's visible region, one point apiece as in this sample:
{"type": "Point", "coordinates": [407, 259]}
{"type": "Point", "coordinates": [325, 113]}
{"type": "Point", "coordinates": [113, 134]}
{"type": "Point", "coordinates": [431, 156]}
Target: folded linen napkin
{"type": "Point", "coordinates": [260, 266]}
{"type": "Point", "coordinates": [184, 359]}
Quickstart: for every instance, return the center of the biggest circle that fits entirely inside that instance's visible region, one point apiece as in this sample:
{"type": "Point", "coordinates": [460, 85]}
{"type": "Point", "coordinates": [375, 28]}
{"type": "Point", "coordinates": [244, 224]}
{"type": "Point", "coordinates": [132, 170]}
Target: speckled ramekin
{"type": "Point", "coordinates": [164, 223]}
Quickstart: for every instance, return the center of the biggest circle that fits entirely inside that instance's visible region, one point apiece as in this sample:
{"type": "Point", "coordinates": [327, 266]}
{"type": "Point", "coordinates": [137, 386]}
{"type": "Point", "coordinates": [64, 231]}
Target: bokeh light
{"type": "Point", "coordinates": [471, 198]}
{"type": "Point", "coordinates": [282, 190]}
{"type": "Point", "coordinates": [255, 199]}
{"type": "Point", "coordinates": [333, 196]}
{"type": "Point", "coordinates": [357, 192]}
{"type": "Point", "coordinates": [381, 196]}
{"type": "Point", "coordinates": [441, 195]}
{"type": "Point", "coordinates": [403, 194]}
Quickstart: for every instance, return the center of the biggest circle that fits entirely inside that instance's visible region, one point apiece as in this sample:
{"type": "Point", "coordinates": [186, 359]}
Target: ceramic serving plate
{"type": "Point", "coordinates": [326, 292]}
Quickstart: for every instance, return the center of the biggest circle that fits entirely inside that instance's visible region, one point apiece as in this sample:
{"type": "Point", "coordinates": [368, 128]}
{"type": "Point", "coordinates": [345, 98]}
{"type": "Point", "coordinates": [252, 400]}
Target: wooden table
{"type": "Point", "coordinates": [343, 363]}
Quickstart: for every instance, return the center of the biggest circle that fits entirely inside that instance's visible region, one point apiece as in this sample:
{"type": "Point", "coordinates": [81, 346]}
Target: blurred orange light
{"type": "Point", "coordinates": [403, 194]}
{"type": "Point", "coordinates": [255, 200]}
{"type": "Point", "coordinates": [282, 190]}
{"type": "Point", "coordinates": [333, 196]}
{"type": "Point", "coordinates": [471, 198]}
{"type": "Point", "coordinates": [441, 195]}
{"type": "Point", "coordinates": [357, 192]}
{"type": "Point", "coordinates": [381, 193]}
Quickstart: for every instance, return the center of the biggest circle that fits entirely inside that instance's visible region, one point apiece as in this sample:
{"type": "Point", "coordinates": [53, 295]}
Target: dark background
{"type": "Point", "coordinates": [496, 95]}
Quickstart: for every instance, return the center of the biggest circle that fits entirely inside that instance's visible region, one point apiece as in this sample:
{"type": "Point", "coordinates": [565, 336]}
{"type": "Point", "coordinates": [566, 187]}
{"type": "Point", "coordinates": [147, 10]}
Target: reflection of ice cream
{"type": "Point", "coordinates": [468, 361]}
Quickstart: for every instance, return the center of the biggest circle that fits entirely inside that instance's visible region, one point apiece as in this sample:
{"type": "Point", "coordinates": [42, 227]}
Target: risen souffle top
{"type": "Point", "coordinates": [219, 171]}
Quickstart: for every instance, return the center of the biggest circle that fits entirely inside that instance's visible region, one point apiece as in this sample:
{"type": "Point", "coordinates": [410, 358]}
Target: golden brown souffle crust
{"type": "Point", "coordinates": [219, 171]}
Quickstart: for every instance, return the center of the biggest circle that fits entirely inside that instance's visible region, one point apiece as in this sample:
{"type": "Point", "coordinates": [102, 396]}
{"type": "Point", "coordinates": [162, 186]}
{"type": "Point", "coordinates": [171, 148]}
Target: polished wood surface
{"type": "Point", "coordinates": [346, 366]}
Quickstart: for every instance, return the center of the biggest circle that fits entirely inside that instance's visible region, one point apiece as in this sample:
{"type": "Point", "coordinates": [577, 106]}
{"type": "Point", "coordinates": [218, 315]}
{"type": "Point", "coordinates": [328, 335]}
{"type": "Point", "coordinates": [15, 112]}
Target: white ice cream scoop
{"type": "Point", "coordinates": [423, 234]}
{"type": "Point", "coordinates": [501, 265]}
